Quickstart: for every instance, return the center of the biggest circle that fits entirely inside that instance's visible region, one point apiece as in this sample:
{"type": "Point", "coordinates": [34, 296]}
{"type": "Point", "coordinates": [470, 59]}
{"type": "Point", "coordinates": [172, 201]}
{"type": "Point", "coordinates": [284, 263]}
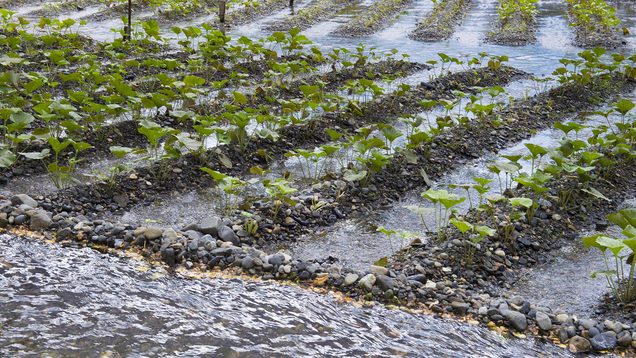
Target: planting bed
{"type": "Point", "coordinates": [517, 29]}
{"type": "Point", "coordinates": [310, 15]}
{"type": "Point", "coordinates": [595, 24]}
{"type": "Point", "coordinates": [377, 17]}
{"type": "Point", "coordinates": [288, 139]}
{"type": "Point", "coordinates": [441, 22]}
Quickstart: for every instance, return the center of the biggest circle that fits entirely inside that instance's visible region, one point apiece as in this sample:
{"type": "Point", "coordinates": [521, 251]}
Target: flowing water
{"type": "Point", "coordinates": [64, 302]}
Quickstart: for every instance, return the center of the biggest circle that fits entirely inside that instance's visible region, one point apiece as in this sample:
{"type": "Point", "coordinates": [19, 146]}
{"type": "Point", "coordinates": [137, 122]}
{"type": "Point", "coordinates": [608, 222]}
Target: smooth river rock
{"type": "Point", "coordinates": [350, 279]}
{"type": "Point", "coordinates": [39, 221]}
{"type": "Point", "coordinates": [227, 234]}
{"type": "Point", "coordinates": [579, 344]}
{"type": "Point", "coordinates": [367, 282]}
{"type": "Point", "coordinates": [20, 199]}
{"type": "Point", "coordinates": [603, 341]}
{"type": "Point", "coordinates": [517, 320]}
{"type": "Point", "coordinates": [152, 233]}
{"type": "Point", "coordinates": [543, 321]}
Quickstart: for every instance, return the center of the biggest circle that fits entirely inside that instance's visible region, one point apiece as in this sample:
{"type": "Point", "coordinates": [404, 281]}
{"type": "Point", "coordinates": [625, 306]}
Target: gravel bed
{"type": "Point", "coordinates": [516, 30]}
{"type": "Point", "coordinates": [441, 22]}
{"type": "Point", "coordinates": [311, 15]}
{"type": "Point", "coordinates": [377, 17]}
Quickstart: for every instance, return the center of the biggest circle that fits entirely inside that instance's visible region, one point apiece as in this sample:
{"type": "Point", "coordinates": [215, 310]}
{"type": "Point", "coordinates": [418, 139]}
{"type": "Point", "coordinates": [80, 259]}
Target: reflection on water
{"type": "Point", "coordinates": [63, 302]}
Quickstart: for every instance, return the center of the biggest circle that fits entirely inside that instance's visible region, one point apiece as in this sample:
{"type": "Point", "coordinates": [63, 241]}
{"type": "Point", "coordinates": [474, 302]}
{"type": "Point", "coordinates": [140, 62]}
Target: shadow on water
{"type": "Point", "coordinates": [61, 302]}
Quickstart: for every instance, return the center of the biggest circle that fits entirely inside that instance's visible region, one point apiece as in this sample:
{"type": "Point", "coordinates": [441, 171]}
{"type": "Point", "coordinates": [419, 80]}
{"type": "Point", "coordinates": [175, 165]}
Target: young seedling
{"type": "Point", "coordinates": [229, 190]}
{"type": "Point", "coordinates": [443, 202]}
{"type": "Point", "coordinates": [250, 225]}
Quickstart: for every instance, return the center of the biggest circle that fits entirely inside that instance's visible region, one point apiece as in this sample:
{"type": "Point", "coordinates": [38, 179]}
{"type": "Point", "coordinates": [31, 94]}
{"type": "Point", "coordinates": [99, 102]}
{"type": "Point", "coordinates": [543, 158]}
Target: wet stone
{"type": "Point", "coordinates": [587, 323]}
{"type": "Point", "coordinates": [193, 234]}
{"type": "Point", "coordinates": [152, 233]}
{"type": "Point", "coordinates": [168, 256]}
{"type": "Point", "coordinates": [624, 339]}
{"type": "Point", "coordinates": [20, 219]}
{"type": "Point", "coordinates": [275, 260]}
{"type": "Point", "coordinates": [40, 220]}
{"type": "Point", "coordinates": [378, 270]}
{"type": "Point", "coordinates": [419, 277]}
{"type": "Point", "coordinates": [210, 225]}
{"type": "Point", "coordinates": [384, 282]}
{"type": "Point", "coordinates": [460, 308]}
{"type": "Point", "coordinates": [304, 275]}
{"type": "Point", "coordinates": [543, 321]}
{"type": "Point", "coordinates": [224, 251]}
{"type": "Point", "coordinates": [579, 344]}
{"type": "Point", "coordinates": [366, 282]}
{"type": "Point", "coordinates": [517, 320]}
{"type": "Point", "coordinates": [138, 231]}
{"type": "Point", "coordinates": [247, 263]}
{"type": "Point", "coordinates": [209, 244]}
{"type": "Point", "coordinates": [603, 341]}
{"type": "Point", "coordinates": [62, 233]}
{"type": "Point", "coordinates": [593, 331]}
{"type": "Point", "coordinates": [20, 199]}
{"type": "Point", "coordinates": [140, 240]}
{"type": "Point", "coordinates": [228, 235]}
{"type": "Point", "coordinates": [524, 241]}
{"type": "Point", "coordinates": [350, 279]}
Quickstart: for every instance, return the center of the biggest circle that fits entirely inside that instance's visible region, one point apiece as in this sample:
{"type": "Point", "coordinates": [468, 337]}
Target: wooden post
{"type": "Point", "coordinates": [222, 11]}
{"type": "Point", "coordinates": [128, 28]}
{"type": "Point", "coordinates": [291, 3]}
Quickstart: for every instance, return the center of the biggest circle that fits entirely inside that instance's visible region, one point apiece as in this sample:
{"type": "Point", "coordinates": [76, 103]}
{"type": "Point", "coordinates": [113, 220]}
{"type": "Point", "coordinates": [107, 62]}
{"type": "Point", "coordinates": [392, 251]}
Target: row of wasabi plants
{"type": "Point", "coordinates": [566, 175]}
{"type": "Point", "coordinates": [595, 23]}
{"type": "Point", "coordinates": [515, 24]}
{"type": "Point", "coordinates": [440, 23]}
{"type": "Point", "coordinates": [216, 107]}
{"type": "Point", "coordinates": [201, 91]}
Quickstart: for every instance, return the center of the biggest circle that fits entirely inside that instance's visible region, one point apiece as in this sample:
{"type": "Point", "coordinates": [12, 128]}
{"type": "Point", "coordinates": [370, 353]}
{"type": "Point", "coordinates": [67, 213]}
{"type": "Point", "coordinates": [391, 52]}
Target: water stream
{"type": "Point", "coordinates": [63, 302]}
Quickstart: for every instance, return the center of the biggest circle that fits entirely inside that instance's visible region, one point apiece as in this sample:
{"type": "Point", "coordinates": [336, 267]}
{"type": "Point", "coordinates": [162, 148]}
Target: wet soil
{"type": "Point", "coordinates": [441, 22]}
{"type": "Point", "coordinates": [515, 30]}
{"type": "Point", "coordinates": [374, 19]}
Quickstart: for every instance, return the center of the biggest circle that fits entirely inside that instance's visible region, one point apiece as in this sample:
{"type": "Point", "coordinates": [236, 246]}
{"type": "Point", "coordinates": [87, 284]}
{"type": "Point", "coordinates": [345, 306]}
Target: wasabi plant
{"type": "Point", "coordinates": [403, 235]}
{"type": "Point", "coordinates": [119, 167]}
{"type": "Point", "coordinates": [479, 233]}
{"type": "Point", "coordinates": [62, 176]}
{"type": "Point", "coordinates": [229, 190]}
{"type": "Point", "coordinates": [622, 249]}
{"type": "Point", "coordinates": [250, 225]}
{"type": "Point", "coordinates": [443, 203]}
{"type": "Point", "coordinates": [278, 192]}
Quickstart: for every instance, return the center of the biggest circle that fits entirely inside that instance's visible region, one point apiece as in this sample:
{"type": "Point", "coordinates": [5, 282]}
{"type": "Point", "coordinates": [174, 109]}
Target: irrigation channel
{"type": "Point", "coordinates": [276, 251]}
